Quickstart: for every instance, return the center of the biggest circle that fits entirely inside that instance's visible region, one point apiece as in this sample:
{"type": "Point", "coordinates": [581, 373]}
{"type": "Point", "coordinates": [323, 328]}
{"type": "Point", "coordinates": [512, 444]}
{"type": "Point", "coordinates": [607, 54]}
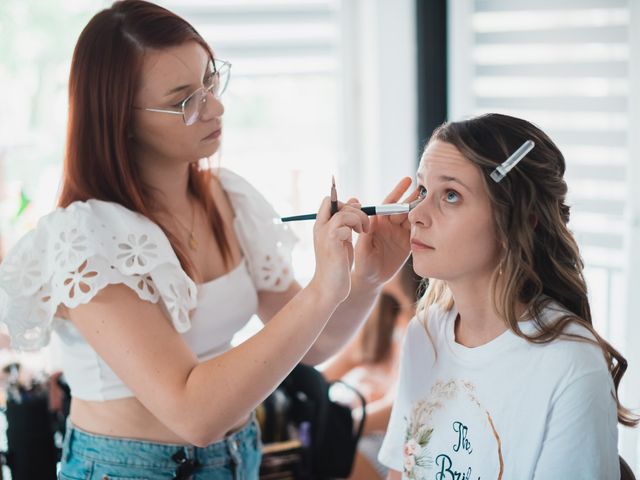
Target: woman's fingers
{"type": "Point", "coordinates": [353, 217]}
{"type": "Point", "coordinates": [412, 196]}
{"type": "Point", "coordinates": [349, 217]}
{"type": "Point", "coordinates": [397, 192]}
{"type": "Point", "coordinates": [343, 234]}
{"type": "Point", "coordinates": [404, 219]}
{"type": "Point", "coordinates": [324, 212]}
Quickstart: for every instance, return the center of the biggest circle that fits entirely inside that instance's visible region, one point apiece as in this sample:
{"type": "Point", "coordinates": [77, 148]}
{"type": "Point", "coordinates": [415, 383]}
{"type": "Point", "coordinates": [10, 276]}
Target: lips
{"type": "Point", "coordinates": [213, 135]}
{"type": "Point", "coordinates": [418, 245]}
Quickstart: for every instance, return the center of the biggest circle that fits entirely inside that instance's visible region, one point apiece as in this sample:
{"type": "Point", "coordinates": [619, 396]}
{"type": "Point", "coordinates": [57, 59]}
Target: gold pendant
{"type": "Point", "coordinates": [193, 243]}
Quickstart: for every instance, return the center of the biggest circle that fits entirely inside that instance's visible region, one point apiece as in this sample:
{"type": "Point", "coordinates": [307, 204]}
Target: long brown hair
{"type": "Point", "coordinates": [105, 72]}
{"type": "Point", "coordinates": [541, 262]}
{"type": "Point", "coordinates": [377, 334]}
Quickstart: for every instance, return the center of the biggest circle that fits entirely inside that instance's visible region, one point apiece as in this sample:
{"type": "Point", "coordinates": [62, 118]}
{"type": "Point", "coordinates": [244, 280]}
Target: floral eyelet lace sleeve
{"type": "Point", "coordinates": [76, 251]}
{"type": "Point", "coordinates": [266, 242]}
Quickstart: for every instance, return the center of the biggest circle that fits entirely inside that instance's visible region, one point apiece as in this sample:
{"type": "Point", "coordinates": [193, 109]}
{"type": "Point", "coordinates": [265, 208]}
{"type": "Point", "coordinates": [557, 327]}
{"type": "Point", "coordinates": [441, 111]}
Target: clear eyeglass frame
{"type": "Point", "coordinates": [191, 106]}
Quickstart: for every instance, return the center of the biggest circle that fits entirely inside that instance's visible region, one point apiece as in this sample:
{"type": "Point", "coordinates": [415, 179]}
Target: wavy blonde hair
{"type": "Point", "coordinates": [541, 262]}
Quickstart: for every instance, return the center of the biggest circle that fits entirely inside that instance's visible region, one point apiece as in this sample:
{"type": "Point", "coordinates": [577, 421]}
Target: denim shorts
{"type": "Point", "coordinates": [86, 456]}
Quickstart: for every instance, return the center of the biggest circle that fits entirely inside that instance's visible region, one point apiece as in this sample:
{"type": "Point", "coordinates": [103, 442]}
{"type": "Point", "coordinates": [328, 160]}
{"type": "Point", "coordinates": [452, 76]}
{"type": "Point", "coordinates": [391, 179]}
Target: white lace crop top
{"type": "Point", "coordinates": [76, 251]}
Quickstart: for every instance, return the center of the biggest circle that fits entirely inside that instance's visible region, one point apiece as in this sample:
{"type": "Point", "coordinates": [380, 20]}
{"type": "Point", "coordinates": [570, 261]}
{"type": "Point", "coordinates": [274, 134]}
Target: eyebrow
{"type": "Point", "coordinates": [184, 87]}
{"type": "Point", "coordinates": [446, 178]}
{"type": "Point", "coordinates": [176, 89]}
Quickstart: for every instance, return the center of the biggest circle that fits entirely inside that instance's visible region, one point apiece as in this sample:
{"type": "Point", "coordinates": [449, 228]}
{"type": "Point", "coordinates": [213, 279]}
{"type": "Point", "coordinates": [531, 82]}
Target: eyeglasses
{"type": "Point", "coordinates": [215, 82]}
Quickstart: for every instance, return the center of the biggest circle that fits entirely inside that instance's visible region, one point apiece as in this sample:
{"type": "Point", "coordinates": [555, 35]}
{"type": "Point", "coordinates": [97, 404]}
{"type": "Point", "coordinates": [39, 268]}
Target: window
{"type": "Point", "coordinates": [37, 45]}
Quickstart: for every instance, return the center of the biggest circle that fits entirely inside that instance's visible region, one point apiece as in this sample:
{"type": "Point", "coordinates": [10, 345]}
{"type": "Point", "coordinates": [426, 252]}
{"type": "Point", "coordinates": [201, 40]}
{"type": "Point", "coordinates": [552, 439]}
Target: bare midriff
{"type": "Point", "coordinates": [127, 418]}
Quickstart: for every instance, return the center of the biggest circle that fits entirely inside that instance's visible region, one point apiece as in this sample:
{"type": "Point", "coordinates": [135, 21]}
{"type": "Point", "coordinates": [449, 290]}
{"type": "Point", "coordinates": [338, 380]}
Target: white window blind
{"type": "Point", "coordinates": [566, 66]}
{"type": "Point", "coordinates": [267, 37]}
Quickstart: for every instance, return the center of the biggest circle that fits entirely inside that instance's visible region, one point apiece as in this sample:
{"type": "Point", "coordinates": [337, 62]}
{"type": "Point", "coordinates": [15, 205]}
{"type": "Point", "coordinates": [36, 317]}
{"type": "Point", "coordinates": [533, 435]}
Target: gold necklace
{"type": "Point", "coordinates": [193, 243]}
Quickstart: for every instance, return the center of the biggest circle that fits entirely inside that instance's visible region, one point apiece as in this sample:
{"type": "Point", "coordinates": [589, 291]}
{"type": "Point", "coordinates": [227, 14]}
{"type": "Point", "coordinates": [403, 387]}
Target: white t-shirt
{"type": "Point", "coordinates": [509, 409]}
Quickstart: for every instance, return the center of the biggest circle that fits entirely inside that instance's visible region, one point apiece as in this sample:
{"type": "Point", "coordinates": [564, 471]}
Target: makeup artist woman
{"type": "Point", "coordinates": [152, 263]}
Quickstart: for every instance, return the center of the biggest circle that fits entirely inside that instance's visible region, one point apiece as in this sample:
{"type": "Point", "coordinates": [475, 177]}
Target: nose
{"type": "Point", "coordinates": [211, 107]}
{"type": "Point", "coordinates": [420, 214]}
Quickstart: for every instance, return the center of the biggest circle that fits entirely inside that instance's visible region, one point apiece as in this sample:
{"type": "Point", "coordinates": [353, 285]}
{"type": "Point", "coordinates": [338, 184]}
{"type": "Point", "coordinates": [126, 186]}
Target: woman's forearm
{"type": "Point", "coordinates": [220, 392]}
{"type": "Point", "coordinates": [344, 322]}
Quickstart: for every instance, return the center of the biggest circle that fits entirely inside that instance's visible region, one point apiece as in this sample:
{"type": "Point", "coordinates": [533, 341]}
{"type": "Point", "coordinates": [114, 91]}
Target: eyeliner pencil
{"type": "Point", "coordinates": [387, 209]}
{"type": "Point", "coordinates": [334, 197]}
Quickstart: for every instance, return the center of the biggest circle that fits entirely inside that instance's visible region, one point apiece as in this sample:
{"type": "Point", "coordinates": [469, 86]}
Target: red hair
{"type": "Point", "coordinates": [104, 76]}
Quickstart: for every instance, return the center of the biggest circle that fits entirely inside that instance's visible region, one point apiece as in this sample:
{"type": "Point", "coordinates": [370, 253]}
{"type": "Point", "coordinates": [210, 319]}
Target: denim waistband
{"type": "Point", "coordinates": [142, 453]}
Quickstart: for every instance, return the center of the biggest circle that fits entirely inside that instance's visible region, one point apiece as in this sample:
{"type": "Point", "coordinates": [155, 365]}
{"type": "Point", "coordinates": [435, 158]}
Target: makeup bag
{"type": "Point", "coordinates": [328, 436]}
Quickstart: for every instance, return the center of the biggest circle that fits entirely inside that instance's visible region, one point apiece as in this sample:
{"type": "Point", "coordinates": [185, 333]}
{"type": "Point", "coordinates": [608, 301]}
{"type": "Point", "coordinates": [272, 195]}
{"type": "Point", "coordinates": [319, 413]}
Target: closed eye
{"type": "Point", "coordinates": [208, 81]}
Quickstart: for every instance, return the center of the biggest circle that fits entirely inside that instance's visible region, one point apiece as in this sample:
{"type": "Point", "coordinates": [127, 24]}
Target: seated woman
{"type": "Point", "coordinates": [502, 374]}
{"type": "Point", "coordinates": [370, 364]}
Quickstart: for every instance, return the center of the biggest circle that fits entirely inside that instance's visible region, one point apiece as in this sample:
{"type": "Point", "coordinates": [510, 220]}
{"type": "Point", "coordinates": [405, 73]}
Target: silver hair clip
{"type": "Point", "coordinates": [501, 170]}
